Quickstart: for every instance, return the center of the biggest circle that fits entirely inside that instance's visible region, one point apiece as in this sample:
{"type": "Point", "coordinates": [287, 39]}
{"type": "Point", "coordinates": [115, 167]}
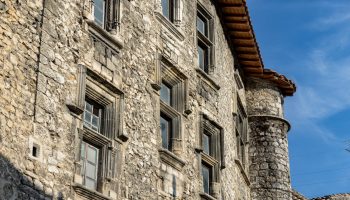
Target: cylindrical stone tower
{"type": "Point", "coordinates": [268, 147]}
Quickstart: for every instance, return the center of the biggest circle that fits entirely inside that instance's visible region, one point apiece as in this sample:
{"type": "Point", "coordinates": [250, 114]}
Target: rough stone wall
{"type": "Point", "coordinates": [334, 197]}
{"type": "Point", "coordinates": [20, 31]}
{"type": "Point", "coordinates": [297, 196]}
{"type": "Point", "coordinates": [39, 77]}
{"type": "Point", "coordinates": [268, 145]}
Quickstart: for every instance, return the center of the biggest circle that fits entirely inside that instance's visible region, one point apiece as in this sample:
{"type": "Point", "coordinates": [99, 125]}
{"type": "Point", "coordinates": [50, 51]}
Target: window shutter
{"type": "Point", "coordinates": [110, 162]}
{"type": "Point", "coordinates": [109, 121]}
{"type": "Point", "coordinates": [222, 148]}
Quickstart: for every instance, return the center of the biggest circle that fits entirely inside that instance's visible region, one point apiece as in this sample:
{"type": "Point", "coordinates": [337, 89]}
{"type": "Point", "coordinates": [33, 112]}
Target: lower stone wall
{"type": "Point", "coordinates": [271, 194]}
{"type": "Point", "coordinates": [17, 185]}
{"type": "Point", "coordinates": [334, 197]}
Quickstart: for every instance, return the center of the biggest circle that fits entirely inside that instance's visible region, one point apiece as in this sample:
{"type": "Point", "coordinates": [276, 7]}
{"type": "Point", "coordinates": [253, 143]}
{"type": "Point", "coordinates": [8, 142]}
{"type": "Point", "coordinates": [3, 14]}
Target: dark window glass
{"type": "Point", "coordinates": [206, 173]}
{"type": "Point", "coordinates": [202, 25]}
{"type": "Point", "coordinates": [89, 160]}
{"type": "Point", "coordinates": [165, 93]}
{"type": "Point", "coordinates": [166, 131]}
{"type": "Point", "coordinates": [34, 151]}
{"type": "Point", "coordinates": [202, 58]}
{"type": "Point", "coordinates": [167, 9]}
{"type": "Point", "coordinates": [92, 115]}
{"type": "Point", "coordinates": [206, 143]}
{"type": "Point", "coordinates": [99, 12]}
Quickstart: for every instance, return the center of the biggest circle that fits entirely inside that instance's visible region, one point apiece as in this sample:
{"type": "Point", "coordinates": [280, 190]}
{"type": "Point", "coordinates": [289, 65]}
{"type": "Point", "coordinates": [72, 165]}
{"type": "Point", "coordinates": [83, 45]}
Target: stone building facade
{"type": "Point", "coordinates": [138, 99]}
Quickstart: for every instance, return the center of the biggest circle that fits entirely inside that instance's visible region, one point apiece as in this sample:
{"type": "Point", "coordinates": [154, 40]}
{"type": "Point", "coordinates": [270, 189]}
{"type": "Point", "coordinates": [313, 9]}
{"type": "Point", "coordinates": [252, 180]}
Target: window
{"type": "Point", "coordinates": [207, 179]}
{"type": "Point", "coordinates": [241, 133]}
{"type": "Point", "coordinates": [202, 24]}
{"type": "Point", "coordinates": [166, 131]}
{"type": "Point", "coordinates": [105, 13]}
{"type": "Point", "coordinates": [93, 115]}
{"type": "Point", "coordinates": [206, 143]}
{"type": "Point", "coordinates": [99, 12]}
{"type": "Point", "coordinates": [205, 46]}
{"type": "Point", "coordinates": [100, 105]}
{"type": "Point", "coordinates": [172, 87]}
{"type": "Point", "coordinates": [90, 161]}
{"type": "Point", "coordinates": [166, 93]}
{"type": "Point", "coordinates": [168, 9]}
{"type": "Point", "coordinates": [211, 136]}
{"type": "Point", "coordinates": [203, 57]}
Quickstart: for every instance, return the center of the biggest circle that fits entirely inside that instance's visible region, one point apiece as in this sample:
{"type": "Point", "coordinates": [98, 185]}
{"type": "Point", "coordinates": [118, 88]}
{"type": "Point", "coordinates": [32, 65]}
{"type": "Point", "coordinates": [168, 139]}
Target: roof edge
{"type": "Point", "coordinates": [236, 18]}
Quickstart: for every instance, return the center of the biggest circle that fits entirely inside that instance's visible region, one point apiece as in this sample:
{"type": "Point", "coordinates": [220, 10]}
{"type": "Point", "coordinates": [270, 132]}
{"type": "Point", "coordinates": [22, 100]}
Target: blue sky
{"type": "Point", "coordinates": [309, 42]}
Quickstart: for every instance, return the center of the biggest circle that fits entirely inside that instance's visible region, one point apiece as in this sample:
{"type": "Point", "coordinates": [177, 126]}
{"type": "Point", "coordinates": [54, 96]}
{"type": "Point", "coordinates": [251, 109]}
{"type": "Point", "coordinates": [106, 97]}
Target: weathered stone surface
{"type": "Point", "coordinates": [334, 197]}
{"type": "Point", "coordinates": [42, 44]}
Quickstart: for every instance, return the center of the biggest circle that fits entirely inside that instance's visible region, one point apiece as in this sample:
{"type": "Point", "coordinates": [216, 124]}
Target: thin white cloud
{"type": "Point", "coordinates": [325, 88]}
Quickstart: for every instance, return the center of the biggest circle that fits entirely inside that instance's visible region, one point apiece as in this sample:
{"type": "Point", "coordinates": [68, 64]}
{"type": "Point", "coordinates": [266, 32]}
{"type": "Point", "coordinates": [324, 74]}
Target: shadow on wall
{"type": "Point", "coordinates": [15, 185]}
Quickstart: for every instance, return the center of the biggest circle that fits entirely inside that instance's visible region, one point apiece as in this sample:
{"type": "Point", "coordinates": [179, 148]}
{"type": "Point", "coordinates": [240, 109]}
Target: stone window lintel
{"type": "Point", "coordinates": [95, 138]}
{"type": "Point", "coordinates": [171, 159]}
{"type": "Point", "coordinates": [88, 193]}
{"type": "Point", "coordinates": [173, 28]}
{"type": "Point", "coordinates": [104, 36]}
{"type": "Point", "coordinates": [209, 159]}
{"type": "Point", "coordinates": [207, 79]}
{"type": "Point", "coordinates": [206, 196]}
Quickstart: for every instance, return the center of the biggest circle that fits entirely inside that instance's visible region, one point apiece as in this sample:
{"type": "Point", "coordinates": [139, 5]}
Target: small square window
{"type": "Point", "coordinates": [35, 150]}
{"type": "Point", "coordinates": [166, 131]}
{"type": "Point", "coordinates": [166, 93]}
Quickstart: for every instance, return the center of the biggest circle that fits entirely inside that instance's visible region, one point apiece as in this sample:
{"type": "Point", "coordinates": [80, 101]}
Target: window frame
{"type": "Point", "coordinates": [170, 131]}
{"type": "Point", "coordinates": [205, 41]}
{"type": "Point", "coordinates": [111, 14]}
{"type": "Point", "coordinates": [241, 130]}
{"type": "Point", "coordinates": [100, 115]}
{"type": "Point", "coordinates": [104, 9]}
{"type": "Point", "coordinates": [215, 158]}
{"type": "Point", "coordinates": [98, 164]}
{"type": "Point", "coordinates": [171, 93]}
{"type": "Point", "coordinates": [94, 87]}
{"type": "Point", "coordinates": [171, 10]}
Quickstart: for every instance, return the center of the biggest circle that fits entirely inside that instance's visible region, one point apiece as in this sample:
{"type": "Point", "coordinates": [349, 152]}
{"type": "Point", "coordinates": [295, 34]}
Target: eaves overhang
{"type": "Point", "coordinates": [236, 19]}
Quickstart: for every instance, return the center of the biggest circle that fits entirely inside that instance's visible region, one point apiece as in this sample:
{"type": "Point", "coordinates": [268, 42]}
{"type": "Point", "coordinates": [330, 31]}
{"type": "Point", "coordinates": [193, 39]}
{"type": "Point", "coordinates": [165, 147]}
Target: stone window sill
{"type": "Point", "coordinates": [171, 159]}
{"type": "Point", "coordinates": [88, 193]}
{"type": "Point", "coordinates": [206, 196]}
{"type": "Point", "coordinates": [243, 172]}
{"type": "Point", "coordinates": [169, 26]}
{"type": "Point", "coordinates": [207, 78]}
{"type": "Point", "coordinates": [104, 36]}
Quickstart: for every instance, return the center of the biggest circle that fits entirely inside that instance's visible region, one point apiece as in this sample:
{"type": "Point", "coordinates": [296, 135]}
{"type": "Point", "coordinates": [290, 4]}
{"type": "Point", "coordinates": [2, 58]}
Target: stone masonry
{"type": "Point", "coordinates": [54, 57]}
